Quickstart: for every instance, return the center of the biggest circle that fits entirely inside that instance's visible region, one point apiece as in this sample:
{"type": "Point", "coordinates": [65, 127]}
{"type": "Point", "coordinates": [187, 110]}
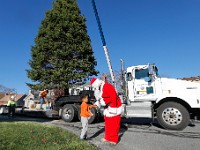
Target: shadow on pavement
{"type": "Point", "coordinates": [97, 133]}
{"type": "Point", "coordinates": [145, 122]}
{"type": "Point", "coordinates": [5, 118]}
{"type": "Point", "coordinates": [123, 129]}
{"type": "Point", "coordinates": [138, 125]}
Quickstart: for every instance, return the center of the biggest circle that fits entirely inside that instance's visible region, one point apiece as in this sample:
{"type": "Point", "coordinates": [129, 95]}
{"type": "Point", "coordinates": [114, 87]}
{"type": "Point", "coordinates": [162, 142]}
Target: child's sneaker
{"type": "Point", "coordinates": [82, 139]}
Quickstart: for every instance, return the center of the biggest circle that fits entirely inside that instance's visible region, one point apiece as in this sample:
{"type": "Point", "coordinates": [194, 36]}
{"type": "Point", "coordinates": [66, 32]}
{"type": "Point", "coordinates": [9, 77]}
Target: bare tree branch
{"type": "Point", "coordinates": [118, 80]}
{"type": "Point", "coordinates": [7, 90]}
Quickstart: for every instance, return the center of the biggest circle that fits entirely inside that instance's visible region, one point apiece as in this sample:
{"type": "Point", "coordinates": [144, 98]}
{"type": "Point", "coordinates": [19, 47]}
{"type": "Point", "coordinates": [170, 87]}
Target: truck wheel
{"type": "Point", "coordinates": [94, 117]}
{"type": "Point", "coordinates": [79, 111]}
{"type": "Point", "coordinates": [173, 116]}
{"type": "Point", "coordinates": [68, 113]}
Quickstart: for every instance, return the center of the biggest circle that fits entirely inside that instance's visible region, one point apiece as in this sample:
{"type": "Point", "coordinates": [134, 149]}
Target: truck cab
{"type": "Point", "coordinates": [141, 82]}
{"type": "Point", "coordinates": [172, 101]}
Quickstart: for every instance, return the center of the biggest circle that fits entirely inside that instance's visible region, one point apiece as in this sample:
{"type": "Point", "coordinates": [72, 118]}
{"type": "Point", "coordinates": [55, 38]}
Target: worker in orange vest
{"type": "Point", "coordinates": [43, 97]}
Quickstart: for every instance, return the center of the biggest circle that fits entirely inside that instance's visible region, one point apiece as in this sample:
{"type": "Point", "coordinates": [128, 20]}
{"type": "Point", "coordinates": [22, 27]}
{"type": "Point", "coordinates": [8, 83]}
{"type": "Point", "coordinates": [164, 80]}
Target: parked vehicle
{"type": "Point", "coordinates": [68, 107]}
{"type": "Point", "coordinates": [172, 101]}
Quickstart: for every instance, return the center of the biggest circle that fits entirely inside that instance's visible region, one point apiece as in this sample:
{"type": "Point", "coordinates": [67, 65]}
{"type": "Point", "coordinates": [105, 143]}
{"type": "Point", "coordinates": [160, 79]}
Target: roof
{"type": "Point", "coordinates": [192, 78]}
{"type": "Point", "coordinates": [6, 98]}
{"type": "Point", "coordinates": [2, 95]}
{"type": "Point", "coordinates": [130, 69]}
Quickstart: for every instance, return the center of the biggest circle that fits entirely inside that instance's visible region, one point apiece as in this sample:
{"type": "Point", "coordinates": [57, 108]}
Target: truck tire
{"type": "Point", "coordinates": [173, 116]}
{"type": "Point", "coordinates": [94, 117]}
{"type": "Point", "coordinates": [77, 108]}
{"type": "Point", "coordinates": [79, 111]}
{"type": "Point", "coordinates": [68, 113]}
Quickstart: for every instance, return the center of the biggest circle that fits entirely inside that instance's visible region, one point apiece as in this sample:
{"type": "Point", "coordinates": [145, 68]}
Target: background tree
{"type": "Point", "coordinates": [118, 80]}
{"type": "Point", "coordinates": [62, 54]}
{"type": "Point", "coordinates": [4, 89]}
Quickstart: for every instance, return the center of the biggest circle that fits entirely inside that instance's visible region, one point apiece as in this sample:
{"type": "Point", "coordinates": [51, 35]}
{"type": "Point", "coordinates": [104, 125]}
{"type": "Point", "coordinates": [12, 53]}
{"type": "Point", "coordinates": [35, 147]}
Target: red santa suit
{"type": "Point", "coordinates": [107, 96]}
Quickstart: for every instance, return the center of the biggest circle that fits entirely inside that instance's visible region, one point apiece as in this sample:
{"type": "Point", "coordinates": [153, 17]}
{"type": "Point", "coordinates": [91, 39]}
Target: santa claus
{"type": "Point", "coordinates": [106, 96]}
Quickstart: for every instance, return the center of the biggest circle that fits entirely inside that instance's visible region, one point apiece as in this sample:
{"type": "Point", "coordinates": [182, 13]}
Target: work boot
{"type": "Point", "coordinates": [112, 143]}
{"type": "Point", "coordinates": [104, 140]}
{"type": "Point", "coordinates": [109, 142]}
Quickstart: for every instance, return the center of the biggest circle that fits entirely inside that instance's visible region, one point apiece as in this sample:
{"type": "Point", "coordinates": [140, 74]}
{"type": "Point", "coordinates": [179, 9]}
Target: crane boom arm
{"type": "Point", "coordinates": [103, 42]}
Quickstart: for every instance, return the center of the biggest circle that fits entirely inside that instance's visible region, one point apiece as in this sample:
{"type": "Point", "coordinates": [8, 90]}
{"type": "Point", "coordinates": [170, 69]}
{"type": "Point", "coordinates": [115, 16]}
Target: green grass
{"type": "Point", "coordinates": [37, 136]}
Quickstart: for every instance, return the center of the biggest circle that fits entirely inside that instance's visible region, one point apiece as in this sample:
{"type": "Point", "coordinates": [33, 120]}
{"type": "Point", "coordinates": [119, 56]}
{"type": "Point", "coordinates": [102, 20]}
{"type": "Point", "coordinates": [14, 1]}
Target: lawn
{"type": "Point", "coordinates": [37, 136]}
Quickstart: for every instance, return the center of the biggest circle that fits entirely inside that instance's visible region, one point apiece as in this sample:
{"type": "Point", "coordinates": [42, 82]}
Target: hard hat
{"type": "Point", "coordinates": [12, 97]}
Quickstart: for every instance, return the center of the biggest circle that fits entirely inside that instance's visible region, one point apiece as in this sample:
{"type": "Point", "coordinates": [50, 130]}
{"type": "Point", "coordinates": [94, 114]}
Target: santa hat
{"type": "Point", "coordinates": [95, 82]}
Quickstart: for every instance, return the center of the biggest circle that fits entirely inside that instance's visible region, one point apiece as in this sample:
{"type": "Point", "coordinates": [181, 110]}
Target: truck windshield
{"type": "Point", "coordinates": [139, 74]}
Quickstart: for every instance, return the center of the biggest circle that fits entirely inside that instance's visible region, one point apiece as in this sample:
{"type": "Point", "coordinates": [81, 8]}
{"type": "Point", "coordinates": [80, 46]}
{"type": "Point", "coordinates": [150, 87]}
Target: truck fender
{"type": "Point", "coordinates": [174, 99]}
{"type": "Point", "coordinates": [192, 101]}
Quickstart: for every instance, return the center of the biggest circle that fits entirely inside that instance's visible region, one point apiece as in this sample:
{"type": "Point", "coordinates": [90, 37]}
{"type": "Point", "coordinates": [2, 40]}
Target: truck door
{"type": "Point", "coordinates": [143, 85]}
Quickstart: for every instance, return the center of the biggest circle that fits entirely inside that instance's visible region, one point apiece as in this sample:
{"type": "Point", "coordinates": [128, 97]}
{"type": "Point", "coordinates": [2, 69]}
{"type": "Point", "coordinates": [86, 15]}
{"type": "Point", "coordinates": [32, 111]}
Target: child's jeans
{"type": "Point", "coordinates": [84, 121]}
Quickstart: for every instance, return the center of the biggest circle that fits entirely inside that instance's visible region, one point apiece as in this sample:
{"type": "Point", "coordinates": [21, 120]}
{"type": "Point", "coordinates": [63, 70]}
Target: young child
{"type": "Point", "coordinates": [85, 115]}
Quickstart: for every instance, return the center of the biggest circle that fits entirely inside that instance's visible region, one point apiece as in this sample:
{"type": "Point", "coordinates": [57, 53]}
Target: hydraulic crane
{"type": "Point", "coordinates": [103, 42]}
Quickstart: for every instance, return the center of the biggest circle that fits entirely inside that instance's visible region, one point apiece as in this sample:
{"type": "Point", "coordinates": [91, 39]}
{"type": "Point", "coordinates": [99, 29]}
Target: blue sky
{"type": "Point", "coordinates": [165, 32]}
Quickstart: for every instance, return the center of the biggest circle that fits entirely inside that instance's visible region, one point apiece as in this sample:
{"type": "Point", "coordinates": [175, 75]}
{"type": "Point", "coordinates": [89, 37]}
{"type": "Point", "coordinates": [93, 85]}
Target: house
{"type": "Point", "coordinates": [2, 94]}
{"type": "Point", "coordinates": [192, 79]}
{"type": "Point", "coordinates": [27, 99]}
{"type": "Point", "coordinates": [77, 88]}
{"type": "Point", "coordinates": [18, 97]}
{"type": "Point", "coordinates": [33, 97]}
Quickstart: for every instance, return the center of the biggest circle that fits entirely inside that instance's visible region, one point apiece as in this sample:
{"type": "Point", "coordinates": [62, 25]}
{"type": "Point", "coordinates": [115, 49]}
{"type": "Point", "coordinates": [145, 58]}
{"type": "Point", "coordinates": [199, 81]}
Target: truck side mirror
{"type": "Point", "coordinates": [147, 79]}
{"type": "Point", "coordinates": [129, 77]}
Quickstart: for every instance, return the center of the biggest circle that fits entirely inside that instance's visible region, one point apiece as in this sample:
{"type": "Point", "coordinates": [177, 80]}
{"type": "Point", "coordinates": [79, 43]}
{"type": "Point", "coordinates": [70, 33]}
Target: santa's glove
{"type": "Point", "coordinates": [102, 103]}
{"type": "Point", "coordinates": [97, 103]}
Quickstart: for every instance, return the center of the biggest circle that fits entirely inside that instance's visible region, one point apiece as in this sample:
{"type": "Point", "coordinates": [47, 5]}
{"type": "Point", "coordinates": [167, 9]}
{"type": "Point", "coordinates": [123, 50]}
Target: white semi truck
{"type": "Point", "coordinates": [172, 101]}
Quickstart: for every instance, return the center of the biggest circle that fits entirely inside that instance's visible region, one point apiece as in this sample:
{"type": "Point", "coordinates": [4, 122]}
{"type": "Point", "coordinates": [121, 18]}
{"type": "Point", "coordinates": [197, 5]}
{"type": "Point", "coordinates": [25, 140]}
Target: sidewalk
{"type": "Point", "coordinates": [95, 132]}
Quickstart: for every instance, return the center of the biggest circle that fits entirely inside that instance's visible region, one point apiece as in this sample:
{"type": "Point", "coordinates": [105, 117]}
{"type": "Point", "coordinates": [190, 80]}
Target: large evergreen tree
{"type": "Point", "coordinates": [62, 53]}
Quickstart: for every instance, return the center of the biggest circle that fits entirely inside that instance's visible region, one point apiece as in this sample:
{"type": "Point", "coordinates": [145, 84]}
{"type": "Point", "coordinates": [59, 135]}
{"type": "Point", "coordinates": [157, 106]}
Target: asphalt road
{"type": "Point", "coordinates": [135, 134]}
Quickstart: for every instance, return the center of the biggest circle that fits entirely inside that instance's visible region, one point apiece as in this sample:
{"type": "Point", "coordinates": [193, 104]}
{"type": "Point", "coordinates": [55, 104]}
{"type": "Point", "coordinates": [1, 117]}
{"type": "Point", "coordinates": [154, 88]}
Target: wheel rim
{"type": "Point", "coordinates": [172, 116]}
{"type": "Point", "coordinates": [68, 113]}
